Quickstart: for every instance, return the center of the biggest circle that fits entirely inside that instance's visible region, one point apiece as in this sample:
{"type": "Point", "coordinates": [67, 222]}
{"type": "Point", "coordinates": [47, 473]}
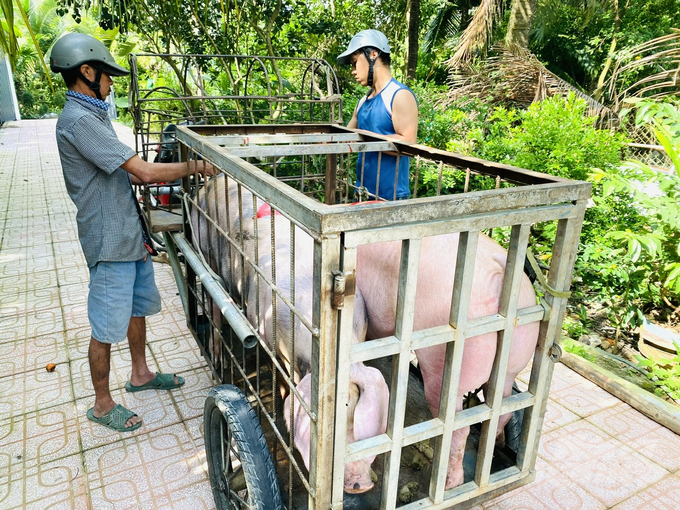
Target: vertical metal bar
{"type": "Point", "coordinates": [345, 331]}
{"type": "Point", "coordinates": [406, 304]}
{"type": "Point", "coordinates": [460, 305]}
{"type": "Point", "coordinates": [415, 186]}
{"type": "Point", "coordinates": [324, 357]}
{"type": "Point", "coordinates": [396, 176]}
{"type": "Point", "coordinates": [512, 282]}
{"type": "Point", "coordinates": [377, 178]}
{"type": "Point", "coordinates": [559, 278]}
{"type": "Point", "coordinates": [439, 179]}
{"type": "Point", "coordinates": [363, 165]}
{"type": "Point", "coordinates": [331, 178]}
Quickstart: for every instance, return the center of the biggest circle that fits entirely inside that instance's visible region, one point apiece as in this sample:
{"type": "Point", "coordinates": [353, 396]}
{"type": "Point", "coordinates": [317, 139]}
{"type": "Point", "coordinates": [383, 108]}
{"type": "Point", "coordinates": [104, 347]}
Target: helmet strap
{"type": "Point", "coordinates": [95, 86]}
{"type": "Point", "coordinates": [371, 61]}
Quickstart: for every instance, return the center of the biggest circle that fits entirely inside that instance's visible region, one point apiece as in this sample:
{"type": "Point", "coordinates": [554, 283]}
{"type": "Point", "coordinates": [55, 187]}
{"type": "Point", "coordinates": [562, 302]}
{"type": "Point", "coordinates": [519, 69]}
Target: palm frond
{"type": "Point", "coordinates": [442, 26]}
{"type": "Point", "coordinates": [35, 43]}
{"type": "Point", "coordinates": [657, 59]}
{"type": "Point", "coordinates": [514, 76]}
{"type": "Point", "coordinates": [8, 38]}
{"type": "Point", "coordinates": [477, 35]}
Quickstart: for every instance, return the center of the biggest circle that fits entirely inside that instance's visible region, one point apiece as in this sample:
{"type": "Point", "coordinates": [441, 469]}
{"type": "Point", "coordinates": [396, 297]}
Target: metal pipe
{"type": "Point", "coordinates": [239, 324]}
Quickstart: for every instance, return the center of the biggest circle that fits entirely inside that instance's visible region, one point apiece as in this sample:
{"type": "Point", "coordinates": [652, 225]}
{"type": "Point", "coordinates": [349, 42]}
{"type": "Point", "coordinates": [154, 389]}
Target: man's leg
{"type": "Point", "coordinates": [137, 339]}
{"type": "Point", "coordinates": [99, 355]}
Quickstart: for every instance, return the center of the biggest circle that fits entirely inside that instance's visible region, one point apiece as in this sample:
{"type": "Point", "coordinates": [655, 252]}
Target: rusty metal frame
{"type": "Point", "coordinates": [337, 231]}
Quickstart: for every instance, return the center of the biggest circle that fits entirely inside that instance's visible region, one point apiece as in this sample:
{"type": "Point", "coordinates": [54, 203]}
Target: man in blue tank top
{"type": "Point", "coordinates": [389, 109]}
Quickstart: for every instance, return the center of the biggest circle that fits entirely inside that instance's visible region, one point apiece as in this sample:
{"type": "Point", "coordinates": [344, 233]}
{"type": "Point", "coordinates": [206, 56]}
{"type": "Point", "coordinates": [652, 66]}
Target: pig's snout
{"type": "Point", "coordinates": [358, 477]}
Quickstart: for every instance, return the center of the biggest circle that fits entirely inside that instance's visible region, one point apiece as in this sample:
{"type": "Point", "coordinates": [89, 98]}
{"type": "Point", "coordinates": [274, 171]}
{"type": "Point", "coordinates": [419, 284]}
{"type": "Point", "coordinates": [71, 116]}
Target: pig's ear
{"type": "Point", "coordinates": [370, 414]}
{"type": "Point", "coordinates": [302, 423]}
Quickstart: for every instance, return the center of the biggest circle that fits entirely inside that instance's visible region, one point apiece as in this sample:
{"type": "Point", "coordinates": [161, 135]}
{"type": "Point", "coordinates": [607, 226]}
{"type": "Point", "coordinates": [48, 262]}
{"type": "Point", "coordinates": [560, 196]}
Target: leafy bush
{"type": "Point", "coordinates": [664, 373]}
{"type": "Point", "coordinates": [644, 240]}
{"type": "Point", "coordinates": [555, 136]}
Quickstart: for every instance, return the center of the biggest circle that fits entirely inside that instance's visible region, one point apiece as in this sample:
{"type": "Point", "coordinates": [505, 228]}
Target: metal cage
{"type": "Point", "coordinates": [306, 177]}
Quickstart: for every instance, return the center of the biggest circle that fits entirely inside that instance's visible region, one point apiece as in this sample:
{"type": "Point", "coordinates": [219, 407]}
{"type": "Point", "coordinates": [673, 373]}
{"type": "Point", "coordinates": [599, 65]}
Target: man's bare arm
{"type": "Point", "coordinates": [405, 116]}
{"type": "Point", "coordinates": [144, 172]}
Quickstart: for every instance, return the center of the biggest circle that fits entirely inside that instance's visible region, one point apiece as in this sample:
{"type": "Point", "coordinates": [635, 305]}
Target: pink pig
{"type": "Point", "coordinates": [369, 395]}
{"type": "Point", "coordinates": [377, 278]}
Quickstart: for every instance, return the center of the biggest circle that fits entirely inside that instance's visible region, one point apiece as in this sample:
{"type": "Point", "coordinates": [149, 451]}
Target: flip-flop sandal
{"type": "Point", "coordinates": [160, 382]}
{"type": "Point", "coordinates": [115, 419]}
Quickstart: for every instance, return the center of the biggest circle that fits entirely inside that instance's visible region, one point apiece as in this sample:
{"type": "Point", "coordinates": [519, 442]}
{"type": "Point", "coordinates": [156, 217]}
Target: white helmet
{"type": "Point", "coordinates": [366, 38]}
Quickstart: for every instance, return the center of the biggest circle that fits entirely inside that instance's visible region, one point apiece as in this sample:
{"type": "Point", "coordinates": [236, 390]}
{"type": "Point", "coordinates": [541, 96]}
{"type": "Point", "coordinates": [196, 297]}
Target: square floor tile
{"type": "Point", "coordinates": [644, 435]}
{"type": "Point", "coordinates": [557, 415]}
{"type": "Point", "coordinates": [29, 301]}
{"type": "Point", "coordinates": [584, 398]}
{"type": "Point", "coordinates": [615, 475]}
{"type": "Point", "coordinates": [59, 484]}
{"type": "Point", "coordinates": [34, 324]}
{"type": "Point", "coordinates": [663, 495]}
{"type": "Point", "coordinates": [138, 471]}
{"type": "Point", "coordinates": [74, 294]}
{"type": "Point", "coordinates": [190, 398]}
{"type": "Point", "coordinates": [28, 283]}
{"type": "Point", "coordinates": [41, 437]}
{"type": "Point", "coordinates": [548, 492]}
{"type": "Point", "coordinates": [574, 444]}
{"type": "Point", "coordinates": [32, 354]}
{"type": "Point", "coordinates": [70, 275]}
{"type": "Point", "coordinates": [34, 390]}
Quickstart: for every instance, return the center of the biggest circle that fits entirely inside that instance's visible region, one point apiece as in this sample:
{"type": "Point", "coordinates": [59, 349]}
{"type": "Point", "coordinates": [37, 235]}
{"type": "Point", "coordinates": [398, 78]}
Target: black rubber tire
{"type": "Point", "coordinates": [233, 435]}
{"type": "Point", "coordinates": [513, 429]}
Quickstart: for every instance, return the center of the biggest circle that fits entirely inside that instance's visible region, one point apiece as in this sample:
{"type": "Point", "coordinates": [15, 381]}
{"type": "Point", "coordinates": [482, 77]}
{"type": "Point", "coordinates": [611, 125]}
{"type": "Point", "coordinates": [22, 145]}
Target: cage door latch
{"type": "Point", "coordinates": [343, 285]}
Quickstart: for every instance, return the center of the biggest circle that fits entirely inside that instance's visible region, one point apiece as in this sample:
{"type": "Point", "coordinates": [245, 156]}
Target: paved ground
{"type": "Point", "coordinates": [596, 452]}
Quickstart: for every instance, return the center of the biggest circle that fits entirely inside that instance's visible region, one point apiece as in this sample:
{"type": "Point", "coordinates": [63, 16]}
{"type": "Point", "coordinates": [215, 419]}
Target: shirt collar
{"type": "Point", "coordinates": [89, 99]}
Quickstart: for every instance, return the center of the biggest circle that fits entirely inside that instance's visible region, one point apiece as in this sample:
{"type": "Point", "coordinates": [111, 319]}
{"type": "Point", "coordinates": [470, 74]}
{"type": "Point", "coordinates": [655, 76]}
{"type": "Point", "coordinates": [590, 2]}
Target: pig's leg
{"type": "Point", "coordinates": [431, 362]}
{"type": "Point", "coordinates": [454, 475]}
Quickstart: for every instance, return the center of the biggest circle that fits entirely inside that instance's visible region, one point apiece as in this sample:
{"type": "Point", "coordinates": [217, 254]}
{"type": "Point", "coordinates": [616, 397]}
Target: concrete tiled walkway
{"type": "Point", "coordinates": [596, 452]}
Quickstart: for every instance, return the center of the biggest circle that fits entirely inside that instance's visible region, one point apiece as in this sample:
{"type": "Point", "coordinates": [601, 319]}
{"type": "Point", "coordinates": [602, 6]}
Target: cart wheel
{"type": "Point", "coordinates": [242, 473]}
{"type": "Point", "coordinates": [513, 429]}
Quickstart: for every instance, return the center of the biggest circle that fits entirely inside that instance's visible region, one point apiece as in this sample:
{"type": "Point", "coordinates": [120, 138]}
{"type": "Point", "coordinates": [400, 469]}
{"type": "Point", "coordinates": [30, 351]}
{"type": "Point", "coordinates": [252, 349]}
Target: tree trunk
{"type": "Point", "coordinates": [413, 23]}
{"type": "Point", "coordinates": [519, 24]}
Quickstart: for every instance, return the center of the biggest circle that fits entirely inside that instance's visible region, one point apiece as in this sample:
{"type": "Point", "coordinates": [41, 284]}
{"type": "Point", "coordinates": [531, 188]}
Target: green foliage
{"type": "Point", "coordinates": [640, 266]}
{"type": "Point", "coordinates": [577, 349]}
{"type": "Point", "coordinates": [574, 39]}
{"type": "Point", "coordinates": [664, 373]}
{"type": "Point", "coordinates": [554, 136]}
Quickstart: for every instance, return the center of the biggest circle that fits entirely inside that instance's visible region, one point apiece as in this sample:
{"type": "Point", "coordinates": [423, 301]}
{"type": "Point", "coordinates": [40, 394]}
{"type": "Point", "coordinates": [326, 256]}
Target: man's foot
{"type": "Point", "coordinates": [119, 419]}
{"type": "Point", "coordinates": [159, 382]}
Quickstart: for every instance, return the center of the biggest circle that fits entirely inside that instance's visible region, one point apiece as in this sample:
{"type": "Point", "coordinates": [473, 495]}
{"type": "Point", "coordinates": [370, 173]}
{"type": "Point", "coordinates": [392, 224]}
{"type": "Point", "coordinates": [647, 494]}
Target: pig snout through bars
{"type": "Point", "coordinates": [378, 277]}
{"type": "Point", "coordinates": [369, 395]}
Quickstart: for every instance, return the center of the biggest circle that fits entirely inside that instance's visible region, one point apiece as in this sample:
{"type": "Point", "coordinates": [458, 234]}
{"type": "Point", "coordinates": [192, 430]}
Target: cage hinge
{"type": "Point", "coordinates": [343, 285]}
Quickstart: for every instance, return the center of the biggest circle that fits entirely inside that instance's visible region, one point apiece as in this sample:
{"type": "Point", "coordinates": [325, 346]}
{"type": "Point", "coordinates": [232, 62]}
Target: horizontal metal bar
{"type": "Point", "coordinates": [500, 482]}
{"type": "Point", "coordinates": [400, 219]}
{"type": "Point", "coordinates": [367, 447]}
{"type": "Point", "coordinates": [287, 98]}
{"type": "Point", "coordinates": [375, 349]}
{"type": "Point", "coordinates": [235, 140]}
{"type": "Point", "coordinates": [241, 326]}
{"type": "Point", "coordinates": [433, 336]}
{"type": "Point", "coordinates": [529, 315]}
{"type": "Point", "coordinates": [506, 172]}
{"type": "Point", "coordinates": [266, 151]}
{"type": "Point", "coordinates": [422, 431]}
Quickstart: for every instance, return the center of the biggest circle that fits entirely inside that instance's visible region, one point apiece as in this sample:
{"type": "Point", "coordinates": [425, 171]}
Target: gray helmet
{"type": "Point", "coordinates": [74, 49]}
{"type": "Point", "coordinates": [366, 38]}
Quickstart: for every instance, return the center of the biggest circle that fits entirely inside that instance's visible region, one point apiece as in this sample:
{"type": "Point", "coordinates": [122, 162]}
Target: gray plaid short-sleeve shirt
{"type": "Point", "coordinates": [91, 155]}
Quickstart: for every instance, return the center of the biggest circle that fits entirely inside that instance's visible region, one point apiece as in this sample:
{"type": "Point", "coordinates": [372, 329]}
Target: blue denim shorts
{"type": "Point", "coordinates": [118, 291]}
